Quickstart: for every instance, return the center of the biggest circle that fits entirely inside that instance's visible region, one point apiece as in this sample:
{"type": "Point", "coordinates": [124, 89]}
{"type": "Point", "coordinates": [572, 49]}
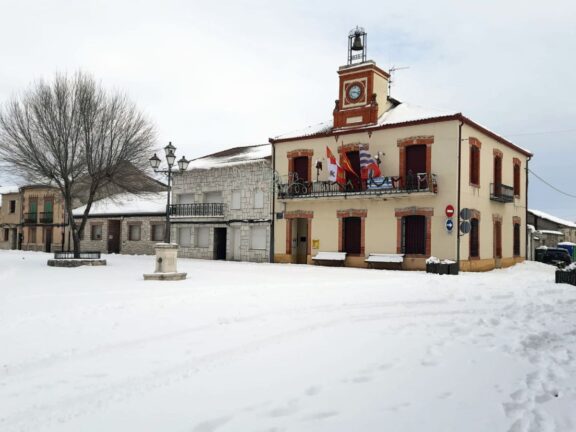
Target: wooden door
{"type": "Point", "coordinates": [414, 235]}
{"type": "Point", "coordinates": [48, 239]}
{"type": "Point", "coordinates": [497, 176]}
{"type": "Point", "coordinates": [498, 239]}
{"type": "Point", "coordinates": [352, 235]}
{"type": "Point", "coordinates": [300, 241]}
{"type": "Point", "coordinates": [355, 180]}
{"type": "Point", "coordinates": [301, 169]}
{"type": "Point", "coordinates": [415, 164]}
{"type": "Point", "coordinates": [114, 236]}
{"type": "Point", "coordinates": [219, 243]}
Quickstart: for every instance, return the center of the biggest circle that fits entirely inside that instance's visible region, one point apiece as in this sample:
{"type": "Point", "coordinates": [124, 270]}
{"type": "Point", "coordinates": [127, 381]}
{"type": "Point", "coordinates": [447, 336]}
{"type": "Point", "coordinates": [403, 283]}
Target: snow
{"type": "Point", "coordinates": [566, 243]}
{"type": "Point", "coordinates": [127, 204]}
{"type": "Point", "coordinates": [232, 157]}
{"type": "Point", "coordinates": [386, 258]}
{"type": "Point", "coordinates": [551, 232]}
{"type": "Point", "coordinates": [551, 218]}
{"type": "Point", "coordinates": [242, 347]}
{"type": "Point", "coordinates": [405, 112]}
{"type": "Point", "coordinates": [330, 256]}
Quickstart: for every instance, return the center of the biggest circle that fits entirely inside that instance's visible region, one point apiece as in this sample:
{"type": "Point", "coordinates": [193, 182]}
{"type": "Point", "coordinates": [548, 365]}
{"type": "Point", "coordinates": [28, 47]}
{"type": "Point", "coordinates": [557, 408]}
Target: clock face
{"type": "Point", "coordinates": [354, 91]}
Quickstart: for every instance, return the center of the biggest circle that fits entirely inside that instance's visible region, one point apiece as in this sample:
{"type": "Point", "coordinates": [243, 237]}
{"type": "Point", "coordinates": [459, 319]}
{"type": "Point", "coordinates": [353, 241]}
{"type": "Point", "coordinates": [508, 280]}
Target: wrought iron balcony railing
{"type": "Point", "coordinates": [30, 217]}
{"type": "Point", "coordinates": [46, 217]}
{"type": "Point", "coordinates": [501, 193]}
{"type": "Point", "coordinates": [197, 209]}
{"type": "Point", "coordinates": [421, 182]}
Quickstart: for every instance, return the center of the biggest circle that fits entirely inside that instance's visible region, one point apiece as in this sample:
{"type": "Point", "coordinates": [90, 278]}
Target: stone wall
{"type": "Point", "coordinates": [249, 179]}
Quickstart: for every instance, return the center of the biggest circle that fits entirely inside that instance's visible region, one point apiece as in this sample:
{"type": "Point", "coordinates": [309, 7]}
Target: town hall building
{"type": "Point", "coordinates": [426, 167]}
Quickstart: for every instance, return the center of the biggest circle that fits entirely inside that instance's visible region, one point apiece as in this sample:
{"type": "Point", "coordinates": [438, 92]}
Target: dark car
{"type": "Point", "coordinates": [556, 256]}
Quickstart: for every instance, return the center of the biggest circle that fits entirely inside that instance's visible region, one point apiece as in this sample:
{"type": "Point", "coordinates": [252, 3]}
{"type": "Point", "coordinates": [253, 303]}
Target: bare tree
{"type": "Point", "coordinates": [75, 135]}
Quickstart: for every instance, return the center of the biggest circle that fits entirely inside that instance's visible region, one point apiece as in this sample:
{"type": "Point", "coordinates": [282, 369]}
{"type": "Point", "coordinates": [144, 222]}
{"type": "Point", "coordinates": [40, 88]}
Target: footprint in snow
{"type": "Point", "coordinates": [290, 408]}
{"type": "Point", "coordinates": [320, 415]}
{"type": "Point", "coordinates": [211, 425]}
{"type": "Point", "coordinates": [313, 390]}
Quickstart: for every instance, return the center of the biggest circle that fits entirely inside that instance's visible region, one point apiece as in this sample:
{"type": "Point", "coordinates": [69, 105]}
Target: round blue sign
{"type": "Point", "coordinates": [449, 225]}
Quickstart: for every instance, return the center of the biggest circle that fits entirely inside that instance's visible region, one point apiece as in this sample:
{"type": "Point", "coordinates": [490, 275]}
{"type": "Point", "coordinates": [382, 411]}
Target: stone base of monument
{"type": "Point", "coordinates": [166, 257]}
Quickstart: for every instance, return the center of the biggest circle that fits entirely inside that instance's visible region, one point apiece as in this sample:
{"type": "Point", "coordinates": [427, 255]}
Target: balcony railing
{"type": "Point", "coordinates": [30, 217]}
{"type": "Point", "coordinates": [501, 193]}
{"type": "Point", "coordinates": [197, 209]}
{"type": "Point", "coordinates": [421, 182]}
{"type": "Point", "coordinates": [46, 217]}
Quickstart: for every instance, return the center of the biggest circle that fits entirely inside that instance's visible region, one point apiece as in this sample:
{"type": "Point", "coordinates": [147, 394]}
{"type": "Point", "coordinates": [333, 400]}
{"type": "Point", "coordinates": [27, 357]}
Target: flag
{"type": "Point", "coordinates": [335, 171]}
{"type": "Point", "coordinates": [368, 166]}
{"type": "Point", "coordinates": [346, 164]}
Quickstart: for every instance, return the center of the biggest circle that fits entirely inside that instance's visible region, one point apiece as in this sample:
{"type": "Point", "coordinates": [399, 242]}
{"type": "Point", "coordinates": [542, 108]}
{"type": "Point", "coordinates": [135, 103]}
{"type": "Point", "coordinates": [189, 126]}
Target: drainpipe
{"type": "Point", "coordinates": [459, 190]}
{"type": "Point", "coordinates": [526, 215]}
{"type": "Point", "coordinates": [273, 199]}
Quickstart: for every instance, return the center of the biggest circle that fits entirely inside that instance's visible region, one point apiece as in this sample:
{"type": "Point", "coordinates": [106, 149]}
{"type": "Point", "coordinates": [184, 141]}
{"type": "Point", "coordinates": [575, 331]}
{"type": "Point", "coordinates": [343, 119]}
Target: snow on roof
{"type": "Point", "coordinates": [401, 113]}
{"type": "Point", "coordinates": [551, 218]}
{"type": "Point", "coordinates": [551, 232]}
{"type": "Point", "coordinates": [232, 156]}
{"type": "Point", "coordinates": [566, 244]}
{"type": "Point", "coordinates": [127, 204]}
{"type": "Point", "coordinates": [7, 190]}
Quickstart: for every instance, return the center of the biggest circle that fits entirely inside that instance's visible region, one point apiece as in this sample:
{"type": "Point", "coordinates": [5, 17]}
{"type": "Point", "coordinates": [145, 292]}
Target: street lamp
{"type": "Point", "coordinates": [169, 150]}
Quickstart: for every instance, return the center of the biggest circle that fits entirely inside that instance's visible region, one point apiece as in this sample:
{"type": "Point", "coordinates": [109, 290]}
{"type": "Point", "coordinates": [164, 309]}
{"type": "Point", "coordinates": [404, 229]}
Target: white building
{"type": "Point", "coordinates": [222, 206]}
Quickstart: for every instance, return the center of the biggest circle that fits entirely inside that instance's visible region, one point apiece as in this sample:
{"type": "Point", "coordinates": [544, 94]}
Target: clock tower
{"type": "Point", "coordinates": [363, 86]}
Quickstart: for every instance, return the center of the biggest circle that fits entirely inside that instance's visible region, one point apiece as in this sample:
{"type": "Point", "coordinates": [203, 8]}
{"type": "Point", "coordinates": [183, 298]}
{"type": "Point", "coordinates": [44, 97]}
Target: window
{"type": "Point", "coordinates": [185, 236]}
{"type": "Point", "coordinates": [96, 232]}
{"type": "Point", "coordinates": [32, 235]}
{"type": "Point", "coordinates": [213, 197]}
{"type": "Point", "coordinates": [497, 175]}
{"type": "Point", "coordinates": [516, 239]}
{"type": "Point", "coordinates": [157, 232]}
{"type": "Point", "coordinates": [414, 234]}
{"type": "Point", "coordinates": [202, 235]}
{"type": "Point", "coordinates": [6, 234]}
{"type": "Point", "coordinates": [475, 165]}
{"type": "Point", "coordinates": [353, 181]}
{"type": "Point", "coordinates": [474, 238]}
{"type": "Point", "coordinates": [301, 168]}
{"type": "Point", "coordinates": [258, 238]}
{"type": "Point", "coordinates": [186, 198]}
{"type": "Point", "coordinates": [236, 199]}
{"type": "Point", "coordinates": [497, 239]}
{"type": "Point", "coordinates": [134, 231]}
{"type": "Point", "coordinates": [12, 206]}
{"type": "Point", "coordinates": [258, 199]}
{"type": "Point", "coordinates": [517, 179]}
{"type": "Point", "coordinates": [351, 235]}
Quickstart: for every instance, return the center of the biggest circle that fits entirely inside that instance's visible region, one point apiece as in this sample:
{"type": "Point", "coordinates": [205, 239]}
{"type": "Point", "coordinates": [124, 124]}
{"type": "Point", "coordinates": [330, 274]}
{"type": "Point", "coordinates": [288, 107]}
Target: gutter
{"type": "Point", "coordinates": [526, 213]}
{"type": "Point", "coordinates": [459, 193]}
{"type": "Point", "coordinates": [273, 199]}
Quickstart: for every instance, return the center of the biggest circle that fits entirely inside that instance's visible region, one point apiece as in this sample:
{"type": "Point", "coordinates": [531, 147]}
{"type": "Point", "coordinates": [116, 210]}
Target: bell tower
{"type": "Point", "coordinates": [363, 86]}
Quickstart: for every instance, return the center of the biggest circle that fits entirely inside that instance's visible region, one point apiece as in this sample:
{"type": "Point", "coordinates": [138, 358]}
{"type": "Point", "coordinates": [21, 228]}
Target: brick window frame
{"type": "Point", "coordinates": [293, 154]}
{"type": "Point", "coordinates": [474, 214]}
{"type": "Point", "coordinates": [341, 215]}
{"type": "Point", "coordinates": [516, 169]}
{"type": "Point", "coordinates": [516, 242]}
{"type": "Point", "coordinates": [402, 143]}
{"type": "Point", "coordinates": [474, 168]}
{"type": "Point", "coordinates": [298, 214]}
{"type": "Point", "coordinates": [428, 212]}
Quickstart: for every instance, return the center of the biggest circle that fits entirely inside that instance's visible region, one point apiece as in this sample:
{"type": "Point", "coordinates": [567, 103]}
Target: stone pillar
{"type": "Point", "coordinates": [166, 259]}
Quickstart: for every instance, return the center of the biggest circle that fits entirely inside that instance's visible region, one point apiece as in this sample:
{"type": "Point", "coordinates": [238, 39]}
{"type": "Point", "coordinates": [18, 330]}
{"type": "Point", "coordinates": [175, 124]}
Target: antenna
{"type": "Point", "coordinates": [390, 71]}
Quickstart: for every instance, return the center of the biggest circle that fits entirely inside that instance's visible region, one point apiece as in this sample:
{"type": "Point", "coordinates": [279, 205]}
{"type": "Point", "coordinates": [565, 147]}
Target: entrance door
{"type": "Point", "coordinates": [13, 238]}
{"type": "Point", "coordinates": [235, 246]}
{"type": "Point", "coordinates": [219, 243]}
{"type": "Point", "coordinates": [300, 241]}
{"type": "Point", "coordinates": [48, 239]}
{"type": "Point", "coordinates": [355, 181]}
{"type": "Point", "coordinates": [415, 163]}
{"type": "Point", "coordinates": [113, 236]}
{"type": "Point", "coordinates": [352, 235]}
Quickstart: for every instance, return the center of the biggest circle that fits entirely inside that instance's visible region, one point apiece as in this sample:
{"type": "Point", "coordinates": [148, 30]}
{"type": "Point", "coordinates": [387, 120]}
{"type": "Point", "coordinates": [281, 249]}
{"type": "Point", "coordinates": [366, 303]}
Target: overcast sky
{"type": "Point", "coordinates": [212, 75]}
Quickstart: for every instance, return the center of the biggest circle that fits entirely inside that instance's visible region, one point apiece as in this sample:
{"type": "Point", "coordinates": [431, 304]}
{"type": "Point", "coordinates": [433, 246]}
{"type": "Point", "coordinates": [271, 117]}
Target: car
{"type": "Point", "coordinates": [556, 256]}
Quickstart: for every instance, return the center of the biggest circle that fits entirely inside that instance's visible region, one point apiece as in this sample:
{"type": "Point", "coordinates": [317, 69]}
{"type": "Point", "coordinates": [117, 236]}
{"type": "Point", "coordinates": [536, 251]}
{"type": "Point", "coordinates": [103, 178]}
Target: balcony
{"type": "Point", "coordinates": [197, 210]}
{"type": "Point", "coordinates": [46, 217]}
{"type": "Point", "coordinates": [398, 186]}
{"type": "Point", "coordinates": [501, 193]}
{"type": "Point", "coordinates": [31, 218]}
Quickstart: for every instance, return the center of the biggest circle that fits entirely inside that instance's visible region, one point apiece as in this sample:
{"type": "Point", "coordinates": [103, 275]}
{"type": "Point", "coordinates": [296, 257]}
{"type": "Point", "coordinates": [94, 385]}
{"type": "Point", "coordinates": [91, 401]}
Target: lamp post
{"type": "Point", "coordinates": [169, 150]}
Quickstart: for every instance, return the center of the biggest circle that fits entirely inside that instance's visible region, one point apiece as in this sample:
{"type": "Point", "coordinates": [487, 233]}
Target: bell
{"type": "Point", "coordinates": [357, 44]}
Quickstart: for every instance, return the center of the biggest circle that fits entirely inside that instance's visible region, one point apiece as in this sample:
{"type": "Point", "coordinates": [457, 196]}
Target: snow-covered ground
{"type": "Point", "coordinates": [269, 348]}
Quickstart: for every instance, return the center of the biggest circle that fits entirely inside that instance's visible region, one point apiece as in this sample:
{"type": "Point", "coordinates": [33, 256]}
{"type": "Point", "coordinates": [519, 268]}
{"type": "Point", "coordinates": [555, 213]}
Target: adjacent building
{"type": "Point", "coordinates": [10, 214]}
{"type": "Point", "coordinates": [548, 230]}
{"type": "Point", "coordinates": [124, 223]}
{"type": "Point", "coordinates": [430, 161]}
{"type": "Point", "coordinates": [222, 206]}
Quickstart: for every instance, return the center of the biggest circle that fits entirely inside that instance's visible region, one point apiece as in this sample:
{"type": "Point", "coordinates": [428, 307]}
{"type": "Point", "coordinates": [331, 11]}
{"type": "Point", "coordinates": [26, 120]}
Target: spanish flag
{"type": "Point", "coordinates": [346, 164]}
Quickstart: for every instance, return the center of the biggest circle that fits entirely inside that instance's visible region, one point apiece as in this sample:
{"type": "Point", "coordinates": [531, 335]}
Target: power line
{"type": "Point", "coordinates": [549, 185]}
{"type": "Point", "coordinates": [542, 132]}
